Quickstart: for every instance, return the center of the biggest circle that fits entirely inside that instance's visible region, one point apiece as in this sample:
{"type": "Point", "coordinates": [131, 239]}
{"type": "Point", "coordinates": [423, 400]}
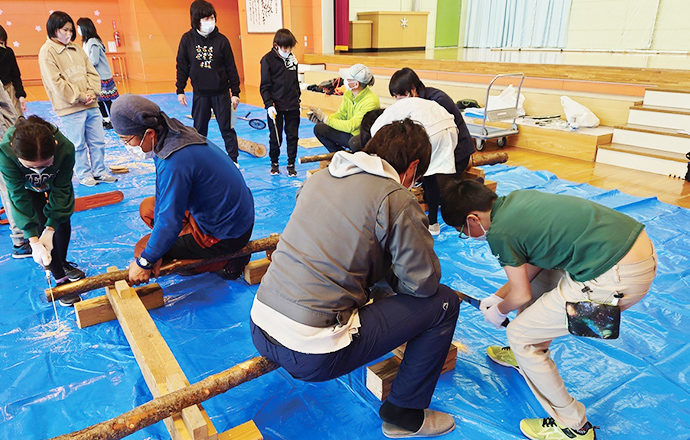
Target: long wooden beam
{"type": "Point", "coordinates": [110, 278]}
{"type": "Point", "coordinates": [476, 159]}
{"type": "Point", "coordinates": [169, 404]}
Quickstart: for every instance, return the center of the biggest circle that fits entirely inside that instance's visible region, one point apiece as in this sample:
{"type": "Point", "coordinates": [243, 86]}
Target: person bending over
{"type": "Point", "coordinates": [202, 207]}
{"type": "Point", "coordinates": [561, 254]}
{"type": "Point", "coordinates": [311, 314]}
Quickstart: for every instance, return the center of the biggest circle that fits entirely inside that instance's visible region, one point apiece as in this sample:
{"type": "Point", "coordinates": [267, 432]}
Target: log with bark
{"type": "Point", "coordinates": [175, 266]}
{"type": "Point", "coordinates": [476, 159]}
{"type": "Point", "coordinates": [316, 158]}
{"type": "Point", "coordinates": [169, 404]}
{"type": "Point", "coordinates": [254, 148]}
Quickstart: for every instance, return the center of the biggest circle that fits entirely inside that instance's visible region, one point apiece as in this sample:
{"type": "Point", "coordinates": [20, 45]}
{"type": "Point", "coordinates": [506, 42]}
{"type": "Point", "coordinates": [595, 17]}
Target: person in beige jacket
{"type": "Point", "coordinates": [72, 85]}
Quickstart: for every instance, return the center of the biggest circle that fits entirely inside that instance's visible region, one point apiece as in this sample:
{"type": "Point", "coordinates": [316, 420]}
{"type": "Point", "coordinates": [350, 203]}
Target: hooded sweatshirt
{"type": "Point", "coordinates": [9, 71]}
{"type": "Point", "coordinates": [279, 84]}
{"type": "Point", "coordinates": [56, 179]}
{"type": "Point", "coordinates": [67, 76]}
{"type": "Point", "coordinates": [95, 50]}
{"type": "Point", "coordinates": [322, 270]}
{"type": "Point", "coordinates": [208, 62]}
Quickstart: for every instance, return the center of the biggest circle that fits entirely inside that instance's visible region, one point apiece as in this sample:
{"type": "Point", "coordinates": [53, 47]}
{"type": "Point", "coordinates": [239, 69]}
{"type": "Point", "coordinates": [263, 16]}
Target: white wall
{"type": "Point", "coordinates": [629, 24]}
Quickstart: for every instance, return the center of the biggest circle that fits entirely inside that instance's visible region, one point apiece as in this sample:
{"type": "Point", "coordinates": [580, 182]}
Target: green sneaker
{"type": "Point", "coordinates": [502, 356]}
{"type": "Point", "coordinates": [549, 429]}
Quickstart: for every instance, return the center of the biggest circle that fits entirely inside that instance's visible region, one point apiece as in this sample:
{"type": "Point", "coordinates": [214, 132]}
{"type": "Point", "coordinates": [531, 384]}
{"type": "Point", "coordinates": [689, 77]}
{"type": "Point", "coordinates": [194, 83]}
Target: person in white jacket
{"type": "Point", "coordinates": [443, 135]}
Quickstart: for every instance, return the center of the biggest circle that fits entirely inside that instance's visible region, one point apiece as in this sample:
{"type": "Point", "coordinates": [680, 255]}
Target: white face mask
{"type": "Point", "coordinates": [206, 27]}
{"type": "Point", "coordinates": [412, 184]}
{"type": "Point", "coordinates": [79, 31]}
{"type": "Point", "coordinates": [480, 237]}
{"type": "Point", "coordinates": [347, 85]}
{"type": "Point", "coordinates": [138, 153]}
{"type": "Point", "coordinates": [283, 54]}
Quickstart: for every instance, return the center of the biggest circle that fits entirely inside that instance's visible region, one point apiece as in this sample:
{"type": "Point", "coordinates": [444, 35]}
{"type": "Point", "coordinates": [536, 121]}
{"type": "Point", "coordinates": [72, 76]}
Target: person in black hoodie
{"type": "Point", "coordinates": [280, 91]}
{"type": "Point", "coordinates": [10, 76]}
{"type": "Point", "coordinates": [205, 57]}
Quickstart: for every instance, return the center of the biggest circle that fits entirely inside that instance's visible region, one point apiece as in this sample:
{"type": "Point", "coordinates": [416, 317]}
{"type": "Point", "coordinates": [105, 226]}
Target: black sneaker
{"type": "Point", "coordinates": [292, 172]}
{"type": "Point", "coordinates": [234, 268]}
{"type": "Point", "coordinates": [73, 272]}
{"type": "Point", "coordinates": [275, 170]}
{"type": "Point", "coordinates": [68, 300]}
{"type": "Point", "coordinates": [23, 251]}
{"type": "Point", "coordinates": [107, 125]}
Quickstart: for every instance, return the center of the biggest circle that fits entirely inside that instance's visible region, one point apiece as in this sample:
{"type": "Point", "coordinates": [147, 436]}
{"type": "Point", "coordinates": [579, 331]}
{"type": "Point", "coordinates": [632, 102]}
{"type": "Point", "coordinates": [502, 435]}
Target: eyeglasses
{"type": "Point", "coordinates": [463, 235]}
{"type": "Point", "coordinates": [127, 142]}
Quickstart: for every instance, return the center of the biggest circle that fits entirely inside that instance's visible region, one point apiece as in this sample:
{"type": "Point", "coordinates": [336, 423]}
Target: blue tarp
{"type": "Point", "coordinates": [51, 384]}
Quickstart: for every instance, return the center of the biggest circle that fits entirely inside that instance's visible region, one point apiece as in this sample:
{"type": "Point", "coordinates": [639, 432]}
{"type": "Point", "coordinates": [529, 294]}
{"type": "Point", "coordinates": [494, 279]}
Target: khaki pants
{"type": "Point", "coordinates": [531, 333]}
{"type": "Point", "coordinates": [9, 88]}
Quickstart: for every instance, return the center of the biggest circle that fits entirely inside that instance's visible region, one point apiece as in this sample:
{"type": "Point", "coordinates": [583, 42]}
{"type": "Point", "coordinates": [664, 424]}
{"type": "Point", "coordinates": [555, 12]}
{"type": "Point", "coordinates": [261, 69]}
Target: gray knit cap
{"type": "Point", "coordinates": [133, 114]}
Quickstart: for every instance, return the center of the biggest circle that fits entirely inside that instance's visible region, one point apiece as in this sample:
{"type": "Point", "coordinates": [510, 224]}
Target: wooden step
{"type": "Point", "coordinates": [643, 159]}
{"type": "Point", "coordinates": [661, 117]}
{"type": "Point", "coordinates": [667, 97]}
{"type": "Point", "coordinates": [657, 138]}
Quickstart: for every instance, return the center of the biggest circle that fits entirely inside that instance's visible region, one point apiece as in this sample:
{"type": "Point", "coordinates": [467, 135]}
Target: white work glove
{"type": "Point", "coordinates": [317, 115]}
{"type": "Point", "coordinates": [40, 254]}
{"type": "Point", "coordinates": [47, 239]}
{"type": "Point", "coordinates": [494, 316]}
{"type": "Point", "coordinates": [235, 102]}
{"type": "Point", "coordinates": [272, 112]}
{"type": "Point", "coordinates": [490, 301]}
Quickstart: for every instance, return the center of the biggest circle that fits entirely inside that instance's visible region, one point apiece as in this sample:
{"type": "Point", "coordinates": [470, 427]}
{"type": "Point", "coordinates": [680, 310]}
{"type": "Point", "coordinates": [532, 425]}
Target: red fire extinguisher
{"type": "Point", "coordinates": [116, 35]}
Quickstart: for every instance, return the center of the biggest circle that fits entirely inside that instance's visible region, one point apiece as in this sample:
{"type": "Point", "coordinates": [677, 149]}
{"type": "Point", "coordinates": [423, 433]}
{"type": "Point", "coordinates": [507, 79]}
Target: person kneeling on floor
{"type": "Point", "coordinates": [572, 265]}
{"type": "Point", "coordinates": [311, 314]}
{"type": "Point", "coordinates": [36, 161]}
{"type": "Point", "coordinates": [202, 207]}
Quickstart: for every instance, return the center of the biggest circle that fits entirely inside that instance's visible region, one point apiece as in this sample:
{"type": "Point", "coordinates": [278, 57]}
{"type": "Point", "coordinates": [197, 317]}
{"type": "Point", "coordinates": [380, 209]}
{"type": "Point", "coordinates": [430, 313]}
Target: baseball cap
{"type": "Point", "coordinates": [359, 73]}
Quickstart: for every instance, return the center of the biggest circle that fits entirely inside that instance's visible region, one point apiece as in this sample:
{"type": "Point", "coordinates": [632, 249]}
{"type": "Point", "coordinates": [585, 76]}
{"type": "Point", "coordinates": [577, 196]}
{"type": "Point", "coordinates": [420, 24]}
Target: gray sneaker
{"type": "Point", "coordinates": [106, 178]}
{"type": "Point", "coordinates": [88, 181]}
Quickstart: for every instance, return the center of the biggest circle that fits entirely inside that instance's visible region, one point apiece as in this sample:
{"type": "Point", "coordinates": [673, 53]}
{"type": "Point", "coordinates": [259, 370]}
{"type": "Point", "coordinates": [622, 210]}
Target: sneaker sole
{"type": "Point", "coordinates": [19, 257]}
{"type": "Point", "coordinates": [504, 364]}
{"type": "Point", "coordinates": [66, 304]}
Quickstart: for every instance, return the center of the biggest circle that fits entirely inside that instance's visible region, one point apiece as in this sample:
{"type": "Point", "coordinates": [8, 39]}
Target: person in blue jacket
{"type": "Point", "coordinates": [202, 207]}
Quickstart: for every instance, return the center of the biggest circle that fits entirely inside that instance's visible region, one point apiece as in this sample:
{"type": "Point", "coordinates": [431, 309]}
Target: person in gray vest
{"type": "Point", "coordinates": [312, 313]}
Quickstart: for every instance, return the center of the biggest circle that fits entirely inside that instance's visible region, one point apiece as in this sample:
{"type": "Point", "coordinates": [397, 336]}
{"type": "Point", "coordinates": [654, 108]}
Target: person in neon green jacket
{"type": "Point", "coordinates": [340, 130]}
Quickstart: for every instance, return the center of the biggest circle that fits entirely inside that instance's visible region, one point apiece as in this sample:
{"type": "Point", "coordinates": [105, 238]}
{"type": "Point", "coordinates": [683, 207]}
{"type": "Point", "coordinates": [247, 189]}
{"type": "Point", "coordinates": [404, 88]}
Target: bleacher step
{"type": "Point", "coordinates": [661, 117]}
{"type": "Point", "coordinates": [643, 159]}
{"type": "Point", "coordinates": [657, 138]}
{"type": "Point", "coordinates": [668, 97]}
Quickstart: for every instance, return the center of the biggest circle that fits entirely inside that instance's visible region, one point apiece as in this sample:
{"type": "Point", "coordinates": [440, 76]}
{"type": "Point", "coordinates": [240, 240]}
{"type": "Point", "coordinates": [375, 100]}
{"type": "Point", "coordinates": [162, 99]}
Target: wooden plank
{"type": "Point", "coordinates": [255, 270]}
{"type": "Point", "coordinates": [191, 416]}
{"type": "Point", "coordinates": [156, 361]}
{"type": "Point", "coordinates": [245, 431]}
{"type": "Point", "coordinates": [380, 375]}
{"type": "Point", "coordinates": [98, 310]}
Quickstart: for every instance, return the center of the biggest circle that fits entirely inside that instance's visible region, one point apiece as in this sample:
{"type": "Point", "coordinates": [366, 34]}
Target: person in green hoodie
{"type": "Point", "coordinates": [36, 161]}
{"type": "Point", "coordinates": [340, 130]}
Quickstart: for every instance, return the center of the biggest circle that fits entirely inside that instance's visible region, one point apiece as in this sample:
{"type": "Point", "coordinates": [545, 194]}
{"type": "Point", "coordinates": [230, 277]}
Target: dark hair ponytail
{"type": "Point", "coordinates": [88, 30]}
{"type": "Point", "coordinates": [33, 139]}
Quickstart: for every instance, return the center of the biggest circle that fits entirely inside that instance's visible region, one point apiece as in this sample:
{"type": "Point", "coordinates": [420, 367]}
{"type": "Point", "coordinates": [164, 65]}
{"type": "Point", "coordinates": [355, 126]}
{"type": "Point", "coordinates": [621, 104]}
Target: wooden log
{"type": "Point", "coordinates": [108, 279]}
{"type": "Point", "coordinates": [380, 375]}
{"type": "Point", "coordinates": [255, 270]}
{"type": "Point", "coordinates": [192, 418]}
{"type": "Point", "coordinates": [166, 405]}
{"type": "Point", "coordinates": [478, 159]}
{"type": "Point", "coordinates": [98, 310]}
{"type": "Point", "coordinates": [316, 158]}
{"type": "Point", "coordinates": [254, 148]}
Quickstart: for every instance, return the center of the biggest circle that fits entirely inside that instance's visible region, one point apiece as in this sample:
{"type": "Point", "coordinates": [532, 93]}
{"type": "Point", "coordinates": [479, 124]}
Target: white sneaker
{"type": "Point", "coordinates": [88, 181]}
{"type": "Point", "coordinates": [435, 229]}
{"type": "Point", "coordinates": [237, 165]}
{"type": "Point", "coordinates": [106, 178]}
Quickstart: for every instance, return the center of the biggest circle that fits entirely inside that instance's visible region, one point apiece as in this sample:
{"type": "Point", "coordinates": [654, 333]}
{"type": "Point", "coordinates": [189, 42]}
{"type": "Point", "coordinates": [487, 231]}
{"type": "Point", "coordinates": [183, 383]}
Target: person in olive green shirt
{"type": "Point", "coordinates": [554, 249]}
{"type": "Point", "coordinates": [36, 162]}
{"type": "Point", "coordinates": [340, 130]}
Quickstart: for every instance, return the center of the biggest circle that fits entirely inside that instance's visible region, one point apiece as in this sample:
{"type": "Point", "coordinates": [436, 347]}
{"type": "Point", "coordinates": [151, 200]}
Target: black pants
{"type": "Point", "coordinates": [334, 140]}
{"type": "Point", "coordinates": [222, 107]}
{"type": "Point", "coordinates": [434, 184]}
{"type": "Point", "coordinates": [104, 107]}
{"type": "Point", "coordinates": [60, 238]}
{"type": "Point", "coordinates": [289, 121]}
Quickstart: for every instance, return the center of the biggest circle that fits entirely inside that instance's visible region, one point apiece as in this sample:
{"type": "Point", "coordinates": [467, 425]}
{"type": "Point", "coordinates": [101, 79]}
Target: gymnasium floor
{"type": "Point", "coordinates": [51, 384]}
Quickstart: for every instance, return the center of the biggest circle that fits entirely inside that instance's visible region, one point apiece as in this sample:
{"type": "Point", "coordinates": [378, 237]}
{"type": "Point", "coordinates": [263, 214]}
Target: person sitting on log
{"type": "Point", "coordinates": [37, 162]}
{"type": "Point", "coordinates": [202, 207]}
{"type": "Point", "coordinates": [311, 314]}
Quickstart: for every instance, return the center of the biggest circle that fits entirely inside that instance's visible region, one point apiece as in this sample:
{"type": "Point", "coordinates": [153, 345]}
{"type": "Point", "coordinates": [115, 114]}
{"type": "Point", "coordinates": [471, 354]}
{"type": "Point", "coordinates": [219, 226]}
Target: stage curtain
{"type": "Point", "coordinates": [517, 23]}
{"type": "Point", "coordinates": [342, 24]}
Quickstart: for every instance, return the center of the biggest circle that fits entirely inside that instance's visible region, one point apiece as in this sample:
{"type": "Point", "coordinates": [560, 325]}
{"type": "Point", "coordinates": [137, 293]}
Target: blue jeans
{"type": "Point", "coordinates": [85, 130]}
{"type": "Point", "coordinates": [426, 324]}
